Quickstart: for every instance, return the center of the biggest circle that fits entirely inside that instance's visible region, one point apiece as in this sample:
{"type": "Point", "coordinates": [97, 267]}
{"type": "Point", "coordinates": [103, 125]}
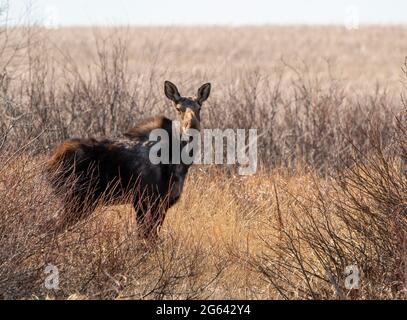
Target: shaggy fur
{"type": "Point", "coordinates": [85, 170]}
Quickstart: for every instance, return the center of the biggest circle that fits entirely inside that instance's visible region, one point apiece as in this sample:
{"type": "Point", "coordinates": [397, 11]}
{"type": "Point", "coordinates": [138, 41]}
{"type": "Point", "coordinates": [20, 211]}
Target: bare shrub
{"type": "Point", "coordinates": [356, 218]}
{"type": "Point", "coordinates": [330, 191]}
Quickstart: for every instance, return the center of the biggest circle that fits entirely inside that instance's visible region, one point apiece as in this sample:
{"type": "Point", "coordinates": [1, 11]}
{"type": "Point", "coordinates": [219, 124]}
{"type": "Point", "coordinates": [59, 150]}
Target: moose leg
{"type": "Point", "coordinates": [149, 219]}
{"type": "Point", "coordinates": [158, 219]}
{"type": "Point", "coordinates": [141, 217]}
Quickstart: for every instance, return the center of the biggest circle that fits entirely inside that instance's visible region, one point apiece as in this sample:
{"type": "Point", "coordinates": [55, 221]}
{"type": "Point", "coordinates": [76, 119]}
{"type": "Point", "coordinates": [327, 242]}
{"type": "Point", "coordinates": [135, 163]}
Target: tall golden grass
{"type": "Point", "coordinates": [330, 191]}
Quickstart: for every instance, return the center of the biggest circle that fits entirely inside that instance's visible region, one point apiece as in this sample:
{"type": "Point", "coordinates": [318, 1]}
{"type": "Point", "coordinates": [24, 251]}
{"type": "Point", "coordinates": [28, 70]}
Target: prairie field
{"type": "Point", "coordinates": [323, 217]}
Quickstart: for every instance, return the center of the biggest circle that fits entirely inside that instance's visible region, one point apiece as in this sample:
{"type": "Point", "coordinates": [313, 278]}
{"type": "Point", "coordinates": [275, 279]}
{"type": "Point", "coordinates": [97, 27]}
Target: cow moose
{"type": "Point", "coordinates": [84, 170]}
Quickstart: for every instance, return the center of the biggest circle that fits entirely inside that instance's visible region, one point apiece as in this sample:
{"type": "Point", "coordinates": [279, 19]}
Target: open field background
{"type": "Point", "coordinates": [330, 192]}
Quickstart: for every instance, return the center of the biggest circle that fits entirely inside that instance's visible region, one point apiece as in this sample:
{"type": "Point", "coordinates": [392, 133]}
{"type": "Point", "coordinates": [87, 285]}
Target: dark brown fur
{"type": "Point", "coordinates": [83, 171]}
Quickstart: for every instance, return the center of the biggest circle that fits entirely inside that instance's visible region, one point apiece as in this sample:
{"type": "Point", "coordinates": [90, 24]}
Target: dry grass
{"type": "Point", "coordinates": [330, 192]}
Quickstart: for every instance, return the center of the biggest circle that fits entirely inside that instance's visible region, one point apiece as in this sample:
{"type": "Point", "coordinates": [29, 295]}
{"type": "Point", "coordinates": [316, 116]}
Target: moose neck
{"type": "Point", "coordinates": [181, 144]}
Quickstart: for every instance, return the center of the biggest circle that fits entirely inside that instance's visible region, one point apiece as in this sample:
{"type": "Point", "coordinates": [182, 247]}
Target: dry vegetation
{"type": "Point", "coordinates": [331, 189]}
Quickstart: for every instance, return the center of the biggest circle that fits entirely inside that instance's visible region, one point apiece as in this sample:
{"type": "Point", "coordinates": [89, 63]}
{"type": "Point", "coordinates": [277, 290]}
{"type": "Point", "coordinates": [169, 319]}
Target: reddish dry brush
{"type": "Point", "coordinates": [355, 218]}
{"type": "Point", "coordinates": [102, 256]}
{"type": "Point", "coordinates": [330, 192]}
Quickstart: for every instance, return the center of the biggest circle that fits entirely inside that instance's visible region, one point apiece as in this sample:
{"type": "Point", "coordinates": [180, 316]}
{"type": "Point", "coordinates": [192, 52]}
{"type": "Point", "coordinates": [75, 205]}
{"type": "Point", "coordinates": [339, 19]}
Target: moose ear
{"type": "Point", "coordinates": [203, 92]}
{"type": "Point", "coordinates": [171, 91]}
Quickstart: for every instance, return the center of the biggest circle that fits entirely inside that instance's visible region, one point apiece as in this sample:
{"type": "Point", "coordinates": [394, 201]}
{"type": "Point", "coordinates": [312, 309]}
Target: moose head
{"type": "Point", "coordinates": [188, 108]}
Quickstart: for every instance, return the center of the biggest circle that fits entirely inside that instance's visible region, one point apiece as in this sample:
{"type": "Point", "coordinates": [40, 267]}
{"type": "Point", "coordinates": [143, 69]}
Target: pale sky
{"type": "Point", "coordinates": [207, 12]}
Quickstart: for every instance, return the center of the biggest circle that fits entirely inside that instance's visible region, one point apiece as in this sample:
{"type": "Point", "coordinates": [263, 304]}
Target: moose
{"type": "Point", "coordinates": [84, 170]}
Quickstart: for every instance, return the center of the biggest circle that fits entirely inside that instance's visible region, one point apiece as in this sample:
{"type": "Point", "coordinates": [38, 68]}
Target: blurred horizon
{"type": "Point", "coordinates": [64, 13]}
